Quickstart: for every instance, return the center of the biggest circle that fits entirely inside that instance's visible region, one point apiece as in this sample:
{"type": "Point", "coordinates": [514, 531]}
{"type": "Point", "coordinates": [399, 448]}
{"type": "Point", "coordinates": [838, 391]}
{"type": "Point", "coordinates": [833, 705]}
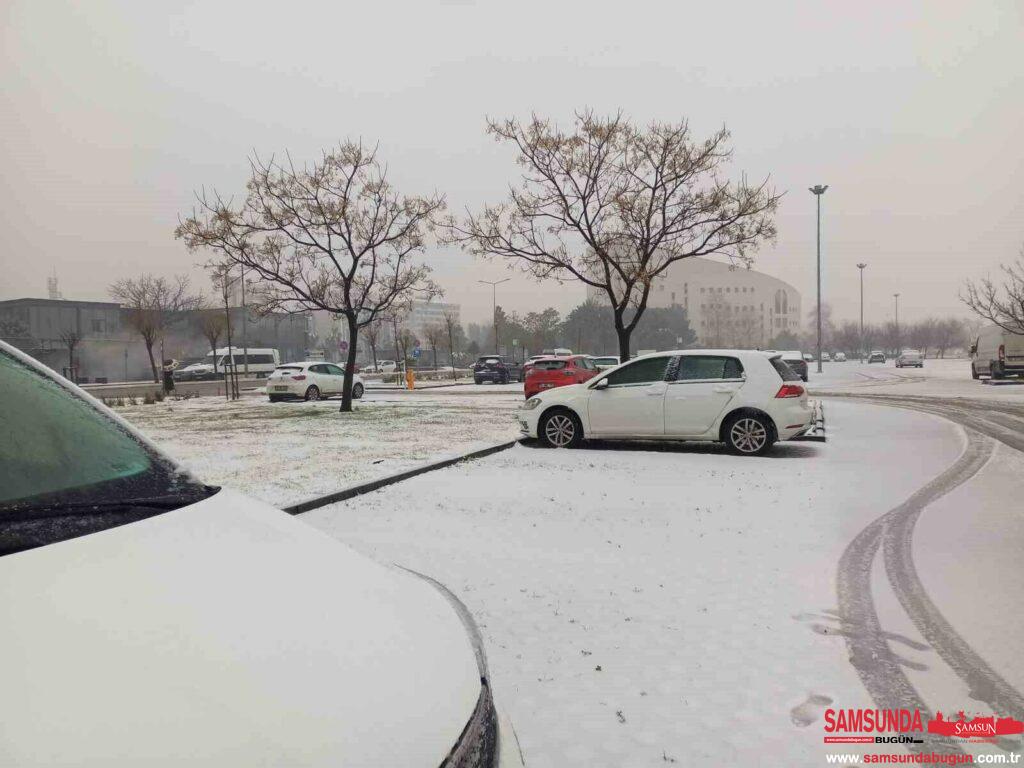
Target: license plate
{"type": "Point", "coordinates": [546, 386]}
{"type": "Point", "coordinates": [280, 389]}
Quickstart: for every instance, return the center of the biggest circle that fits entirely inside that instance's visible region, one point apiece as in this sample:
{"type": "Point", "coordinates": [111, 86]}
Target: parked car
{"type": "Point", "coordinates": [797, 361]}
{"type": "Point", "coordinates": [605, 362]}
{"type": "Point", "coordinates": [910, 358]}
{"type": "Point", "coordinates": [382, 366]}
{"type": "Point", "coordinates": [551, 372]}
{"type": "Point", "coordinates": [839, 357]}
{"type": "Point", "coordinates": [997, 353]}
{"type": "Point", "coordinates": [151, 619]}
{"type": "Point", "coordinates": [808, 357]}
{"type": "Point", "coordinates": [496, 369]}
{"type": "Point", "coordinates": [310, 380]}
{"type": "Point", "coordinates": [746, 399]}
{"type": "Point", "coordinates": [557, 352]}
{"type": "Point", "coordinates": [196, 369]}
{"type": "Point", "coordinates": [877, 356]}
{"type": "Point", "coordinates": [826, 357]}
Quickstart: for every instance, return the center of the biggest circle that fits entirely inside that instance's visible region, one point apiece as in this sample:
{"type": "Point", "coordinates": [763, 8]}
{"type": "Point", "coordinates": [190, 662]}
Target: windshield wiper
{"type": "Point", "coordinates": [103, 506]}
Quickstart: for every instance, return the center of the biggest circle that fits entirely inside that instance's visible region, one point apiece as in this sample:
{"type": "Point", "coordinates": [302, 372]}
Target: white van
{"type": "Point", "coordinates": [997, 353]}
{"type": "Point", "coordinates": [260, 363]}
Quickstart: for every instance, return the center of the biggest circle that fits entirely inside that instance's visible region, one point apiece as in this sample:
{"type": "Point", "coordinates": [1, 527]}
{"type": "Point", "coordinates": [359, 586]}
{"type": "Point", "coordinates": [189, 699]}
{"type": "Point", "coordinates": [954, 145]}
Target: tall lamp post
{"type": "Point", "coordinates": [494, 305]}
{"type": "Point", "coordinates": [896, 296]}
{"type": "Point", "coordinates": [818, 190]}
{"type": "Point", "coordinates": [861, 345]}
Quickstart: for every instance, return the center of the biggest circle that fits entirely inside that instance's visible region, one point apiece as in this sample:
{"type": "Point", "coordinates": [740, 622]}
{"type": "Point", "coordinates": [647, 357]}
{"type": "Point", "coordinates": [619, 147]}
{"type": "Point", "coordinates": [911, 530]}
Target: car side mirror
{"type": "Point", "coordinates": [602, 384]}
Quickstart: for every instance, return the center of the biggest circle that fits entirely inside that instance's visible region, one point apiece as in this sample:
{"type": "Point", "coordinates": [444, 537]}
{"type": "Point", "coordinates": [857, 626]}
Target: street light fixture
{"type": "Point", "coordinates": [899, 346]}
{"type": "Point", "coordinates": [818, 190]}
{"type": "Point", "coordinates": [861, 345]}
{"type": "Point", "coordinates": [494, 306]}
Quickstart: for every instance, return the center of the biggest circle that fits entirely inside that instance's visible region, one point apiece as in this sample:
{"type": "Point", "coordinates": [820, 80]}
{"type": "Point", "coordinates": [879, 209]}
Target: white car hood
{"type": "Point", "coordinates": [226, 633]}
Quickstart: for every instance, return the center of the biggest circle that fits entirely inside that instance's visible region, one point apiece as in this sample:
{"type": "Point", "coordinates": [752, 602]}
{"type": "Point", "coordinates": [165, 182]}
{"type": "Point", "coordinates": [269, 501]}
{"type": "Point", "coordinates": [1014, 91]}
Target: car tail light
{"type": "Point", "coordinates": [300, 377]}
{"type": "Point", "coordinates": [789, 390]}
{"type": "Point", "coordinates": [1002, 353]}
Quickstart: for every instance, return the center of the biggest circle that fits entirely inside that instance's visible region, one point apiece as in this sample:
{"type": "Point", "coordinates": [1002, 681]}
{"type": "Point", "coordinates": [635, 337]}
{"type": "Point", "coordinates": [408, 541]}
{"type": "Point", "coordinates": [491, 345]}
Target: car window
{"type": "Point", "coordinates": [62, 460]}
{"type": "Point", "coordinates": [644, 371]}
{"type": "Point", "coordinates": [334, 370]}
{"type": "Point", "coordinates": [784, 370]}
{"type": "Point", "coordinates": [318, 368]}
{"type": "Point", "coordinates": [549, 365]}
{"type": "Point", "coordinates": [585, 363]}
{"type": "Point", "coordinates": [700, 367]}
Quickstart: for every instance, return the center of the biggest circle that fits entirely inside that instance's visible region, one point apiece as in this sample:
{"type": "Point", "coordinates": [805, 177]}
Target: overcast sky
{"type": "Point", "coordinates": [913, 113]}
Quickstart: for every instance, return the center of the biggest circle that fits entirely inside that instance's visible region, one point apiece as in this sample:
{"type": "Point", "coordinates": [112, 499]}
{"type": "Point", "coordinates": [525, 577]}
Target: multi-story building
{"type": "Point", "coordinates": [727, 306]}
{"type": "Point", "coordinates": [425, 314]}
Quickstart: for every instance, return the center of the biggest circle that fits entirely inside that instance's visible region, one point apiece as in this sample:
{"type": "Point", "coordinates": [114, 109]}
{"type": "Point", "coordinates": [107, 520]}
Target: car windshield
{"type": "Point", "coordinates": [605, 361]}
{"type": "Point", "coordinates": [67, 469]}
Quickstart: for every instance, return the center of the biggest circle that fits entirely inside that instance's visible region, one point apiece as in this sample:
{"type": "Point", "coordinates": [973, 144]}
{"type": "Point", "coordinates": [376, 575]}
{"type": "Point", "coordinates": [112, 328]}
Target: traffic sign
{"type": "Point", "coordinates": [343, 346]}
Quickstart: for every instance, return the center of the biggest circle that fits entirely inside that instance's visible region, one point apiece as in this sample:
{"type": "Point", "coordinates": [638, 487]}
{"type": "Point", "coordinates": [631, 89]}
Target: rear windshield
{"type": "Point", "coordinates": [783, 369]}
{"type": "Point", "coordinates": [288, 368]}
{"type": "Point", "coordinates": [489, 360]}
{"type": "Point", "coordinates": [548, 365]}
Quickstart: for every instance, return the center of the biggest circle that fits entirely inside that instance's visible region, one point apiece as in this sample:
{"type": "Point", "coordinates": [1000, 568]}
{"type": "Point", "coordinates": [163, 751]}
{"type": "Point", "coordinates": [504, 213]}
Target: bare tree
{"type": "Point", "coordinates": [212, 324]}
{"type": "Point", "coordinates": [949, 334]}
{"type": "Point", "coordinates": [150, 303]}
{"type": "Point", "coordinates": [613, 206]}
{"type": "Point", "coordinates": [334, 236]}
{"type": "Point", "coordinates": [372, 333]}
{"type": "Point", "coordinates": [71, 338]}
{"type": "Point", "coordinates": [433, 335]}
{"type": "Point", "coordinates": [1002, 304]}
{"type": "Point", "coordinates": [451, 327]}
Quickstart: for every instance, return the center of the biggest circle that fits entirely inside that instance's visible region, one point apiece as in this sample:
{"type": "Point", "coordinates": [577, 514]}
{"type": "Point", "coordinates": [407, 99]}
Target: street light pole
{"type": "Point", "coordinates": [898, 344]}
{"type": "Point", "coordinates": [861, 345]}
{"type": "Point", "coordinates": [494, 306]}
{"type": "Point", "coordinates": [818, 190]}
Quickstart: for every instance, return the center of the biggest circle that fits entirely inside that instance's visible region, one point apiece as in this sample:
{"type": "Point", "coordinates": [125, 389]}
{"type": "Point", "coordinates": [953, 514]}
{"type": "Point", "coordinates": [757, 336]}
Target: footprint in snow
{"type": "Point", "coordinates": [810, 710]}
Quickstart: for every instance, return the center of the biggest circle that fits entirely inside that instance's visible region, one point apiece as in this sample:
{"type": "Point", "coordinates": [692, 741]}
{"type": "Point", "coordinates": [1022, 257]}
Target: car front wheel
{"type": "Point", "coordinates": [561, 429]}
{"type": "Point", "coordinates": [749, 435]}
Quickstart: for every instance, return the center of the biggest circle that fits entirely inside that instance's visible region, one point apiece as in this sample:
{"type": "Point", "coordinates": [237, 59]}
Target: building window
{"type": "Point", "coordinates": [97, 325]}
{"type": "Point", "coordinates": [673, 297]}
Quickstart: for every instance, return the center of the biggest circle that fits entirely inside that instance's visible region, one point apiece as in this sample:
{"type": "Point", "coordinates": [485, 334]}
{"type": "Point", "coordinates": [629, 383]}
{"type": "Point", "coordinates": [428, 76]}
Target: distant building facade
{"type": "Point", "coordinates": [727, 306]}
{"type": "Point", "coordinates": [425, 314]}
{"type": "Point", "coordinates": [108, 349]}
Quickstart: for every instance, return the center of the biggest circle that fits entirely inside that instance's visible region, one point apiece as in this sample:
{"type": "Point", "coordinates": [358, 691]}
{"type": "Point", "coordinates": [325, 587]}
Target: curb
{"type": "Point", "coordinates": [382, 482]}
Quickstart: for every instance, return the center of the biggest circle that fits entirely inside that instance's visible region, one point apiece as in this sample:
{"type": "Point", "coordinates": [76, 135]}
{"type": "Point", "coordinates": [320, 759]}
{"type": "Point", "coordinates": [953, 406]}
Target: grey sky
{"type": "Point", "coordinates": [913, 113]}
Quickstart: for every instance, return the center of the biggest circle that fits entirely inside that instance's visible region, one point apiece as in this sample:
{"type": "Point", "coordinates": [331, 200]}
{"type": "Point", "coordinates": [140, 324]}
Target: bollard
{"type": "Point", "coordinates": [410, 379]}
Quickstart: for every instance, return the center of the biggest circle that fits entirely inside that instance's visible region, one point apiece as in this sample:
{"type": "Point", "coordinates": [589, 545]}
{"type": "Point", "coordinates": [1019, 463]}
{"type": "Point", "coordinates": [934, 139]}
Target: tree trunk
{"type": "Point", "coordinates": [152, 363]}
{"type": "Point", "coordinates": [350, 364]}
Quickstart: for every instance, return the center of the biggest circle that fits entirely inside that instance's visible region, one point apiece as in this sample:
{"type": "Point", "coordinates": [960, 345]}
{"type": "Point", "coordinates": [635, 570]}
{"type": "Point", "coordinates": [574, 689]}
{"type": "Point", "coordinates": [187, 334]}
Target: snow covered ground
{"type": "Point", "coordinates": [287, 452]}
{"type": "Point", "coordinates": [643, 607]}
{"type": "Point", "coordinates": [939, 378]}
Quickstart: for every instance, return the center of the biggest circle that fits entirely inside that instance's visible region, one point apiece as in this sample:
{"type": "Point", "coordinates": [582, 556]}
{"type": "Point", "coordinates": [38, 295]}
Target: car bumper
{"type": "Point", "coordinates": [285, 390]}
{"type": "Point", "coordinates": [527, 421]}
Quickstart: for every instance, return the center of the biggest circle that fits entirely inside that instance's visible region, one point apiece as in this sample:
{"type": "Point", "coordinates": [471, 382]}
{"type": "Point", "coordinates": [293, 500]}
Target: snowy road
{"type": "Point", "coordinates": [641, 607]}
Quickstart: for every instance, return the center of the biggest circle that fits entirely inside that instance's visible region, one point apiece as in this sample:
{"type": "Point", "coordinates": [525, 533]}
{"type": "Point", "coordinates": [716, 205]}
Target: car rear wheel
{"type": "Point", "coordinates": [561, 429]}
{"type": "Point", "coordinates": [748, 434]}
{"type": "Point", "coordinates": [313, 393]}
{"type": "Point", "coordinates": [357, 391]}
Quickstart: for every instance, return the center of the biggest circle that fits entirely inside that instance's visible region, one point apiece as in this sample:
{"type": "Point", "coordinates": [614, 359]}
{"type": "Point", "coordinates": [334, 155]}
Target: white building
{"type": "Point", "coordinates": [727, 306]}
{"type": "Point", "coordinates": [424, 314]}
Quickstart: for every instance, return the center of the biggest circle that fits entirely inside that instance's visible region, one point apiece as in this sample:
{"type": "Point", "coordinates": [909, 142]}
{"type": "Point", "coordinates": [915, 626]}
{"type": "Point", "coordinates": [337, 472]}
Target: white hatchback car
{"type": "Point", "coordinates": [746, 399]}
{"type": "Point", "coordinates": [311, 380]}
{"type": "Point", "coordinates": [149, 619]}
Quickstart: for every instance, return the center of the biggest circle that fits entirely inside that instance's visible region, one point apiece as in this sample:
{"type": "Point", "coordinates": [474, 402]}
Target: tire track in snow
{"type": "Point", "coordinates": [879, 668]}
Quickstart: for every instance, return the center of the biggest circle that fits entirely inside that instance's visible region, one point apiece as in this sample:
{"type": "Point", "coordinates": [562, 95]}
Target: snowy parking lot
{"type": "Point", "coordinates": [676, 605]}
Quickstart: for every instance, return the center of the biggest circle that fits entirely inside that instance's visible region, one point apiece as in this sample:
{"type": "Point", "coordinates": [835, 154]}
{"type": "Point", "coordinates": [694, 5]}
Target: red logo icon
{"type": "Point", "coordinates": [975, 728]}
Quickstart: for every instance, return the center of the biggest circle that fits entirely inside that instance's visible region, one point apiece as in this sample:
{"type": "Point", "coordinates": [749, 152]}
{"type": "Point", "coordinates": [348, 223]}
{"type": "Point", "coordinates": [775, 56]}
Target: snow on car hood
{"type": "Point", "coordinates": [226, 633]}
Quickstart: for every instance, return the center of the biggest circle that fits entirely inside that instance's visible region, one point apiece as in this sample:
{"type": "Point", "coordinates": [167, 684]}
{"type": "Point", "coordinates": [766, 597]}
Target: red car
{"type": "Point", "coordinates": [549, 372]}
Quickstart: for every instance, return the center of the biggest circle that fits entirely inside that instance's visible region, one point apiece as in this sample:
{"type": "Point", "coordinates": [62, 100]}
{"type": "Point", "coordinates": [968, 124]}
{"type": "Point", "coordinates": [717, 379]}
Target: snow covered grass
{"type": "Point", "coordinates": [287, 452]}
{"type": "Point", "coordinates": [645, 607]}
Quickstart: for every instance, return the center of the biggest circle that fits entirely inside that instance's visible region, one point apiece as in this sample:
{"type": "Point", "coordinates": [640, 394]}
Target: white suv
{"type": "Point", "coordinates": [746, 399]}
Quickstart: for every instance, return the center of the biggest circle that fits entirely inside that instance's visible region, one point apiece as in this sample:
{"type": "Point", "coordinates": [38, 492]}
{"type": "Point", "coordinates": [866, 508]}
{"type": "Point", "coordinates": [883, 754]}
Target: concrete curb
{"type": "Point", "coordinates": [382, 482]}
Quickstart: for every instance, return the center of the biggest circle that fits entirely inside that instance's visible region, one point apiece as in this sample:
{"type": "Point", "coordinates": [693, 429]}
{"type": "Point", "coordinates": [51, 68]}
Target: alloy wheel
{"type": "Point", "coordinates": [748, 435]}
{"type": "Point", "coordinates": [560, 430]}
{"type": "Point", "coordinates": [313, 393]}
